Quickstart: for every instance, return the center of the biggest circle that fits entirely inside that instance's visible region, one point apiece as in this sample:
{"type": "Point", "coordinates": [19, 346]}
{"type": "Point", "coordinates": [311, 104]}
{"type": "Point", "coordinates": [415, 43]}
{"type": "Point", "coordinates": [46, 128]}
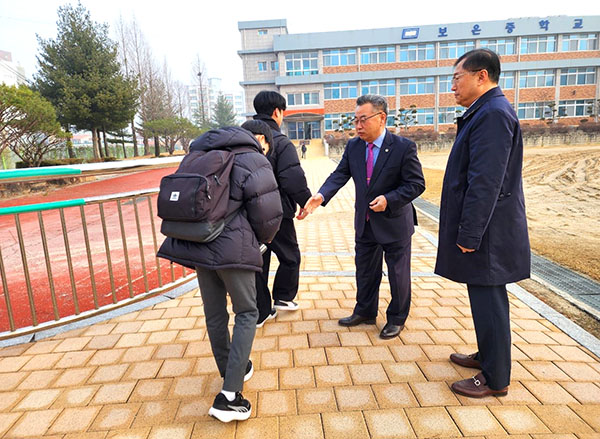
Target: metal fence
{"type": "Point", "coordinates": [69, 260]}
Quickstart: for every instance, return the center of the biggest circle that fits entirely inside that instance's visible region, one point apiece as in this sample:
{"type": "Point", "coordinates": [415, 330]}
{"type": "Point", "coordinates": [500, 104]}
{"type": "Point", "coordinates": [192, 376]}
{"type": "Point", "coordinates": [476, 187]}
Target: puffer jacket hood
{"type": "Point", "coordinates": [254, 203]}
{"type": "Point", "coordinates": [225, 138]}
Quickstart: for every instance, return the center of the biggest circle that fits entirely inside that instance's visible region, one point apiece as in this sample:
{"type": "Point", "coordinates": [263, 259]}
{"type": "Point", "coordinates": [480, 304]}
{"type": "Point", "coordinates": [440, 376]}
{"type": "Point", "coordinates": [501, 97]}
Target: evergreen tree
{"type": "Point", "coordinates": [223, 114]}
{"type": "Point", "coordinates": [79, 74]}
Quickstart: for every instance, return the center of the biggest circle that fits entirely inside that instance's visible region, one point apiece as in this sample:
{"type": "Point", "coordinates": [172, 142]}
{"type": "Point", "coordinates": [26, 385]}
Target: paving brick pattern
{"type": "Point", "coordinates": [150, 374]}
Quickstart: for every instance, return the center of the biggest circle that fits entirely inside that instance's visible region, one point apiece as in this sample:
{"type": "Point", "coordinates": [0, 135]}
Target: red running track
{"type": "Point", "coordinates": [82, 279]}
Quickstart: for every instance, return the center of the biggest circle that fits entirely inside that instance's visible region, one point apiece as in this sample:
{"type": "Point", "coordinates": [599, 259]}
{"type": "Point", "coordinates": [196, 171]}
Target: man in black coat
{"type": "Point", "coordinates": [483, 239]}
{"type": "Point", "coordinates": [282, 155]}
{"type": "Point", "coordinates": [387, 177]}
{"type": "Point", "coordinates": [226, 265]}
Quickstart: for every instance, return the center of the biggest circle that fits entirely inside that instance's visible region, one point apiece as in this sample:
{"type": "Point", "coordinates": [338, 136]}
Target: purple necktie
{"type": "Point", "coordinates": [369, 169]}
{"type": "Point", "coordinates": [369, 163]}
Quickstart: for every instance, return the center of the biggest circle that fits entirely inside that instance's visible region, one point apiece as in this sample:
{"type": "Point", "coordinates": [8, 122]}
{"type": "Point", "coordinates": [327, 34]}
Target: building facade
{"type": "Point", "coordinates": [206, 99]}
{"type": "Point", "coordinates": [11, 73]}
{"type": "Point", "coordinates": [550, 69]}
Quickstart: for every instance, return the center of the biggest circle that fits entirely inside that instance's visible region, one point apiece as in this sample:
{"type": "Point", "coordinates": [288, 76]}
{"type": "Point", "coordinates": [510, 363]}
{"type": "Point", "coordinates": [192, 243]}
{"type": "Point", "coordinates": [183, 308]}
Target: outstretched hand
{"type": "Point", "coordinates": [302, 213]}
{"type": "Point", "coordinates": [313, 202]}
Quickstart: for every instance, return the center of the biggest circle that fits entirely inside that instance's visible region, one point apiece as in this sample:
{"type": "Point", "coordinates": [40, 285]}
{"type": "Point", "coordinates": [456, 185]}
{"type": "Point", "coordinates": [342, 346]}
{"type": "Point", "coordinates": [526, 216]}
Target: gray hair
{"type": "Point", "coordinates": [379, 102]}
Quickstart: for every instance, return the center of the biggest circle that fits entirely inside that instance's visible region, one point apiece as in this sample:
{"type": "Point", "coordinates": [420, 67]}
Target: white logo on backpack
{"type": "Point", "coordinates": [174, 196]}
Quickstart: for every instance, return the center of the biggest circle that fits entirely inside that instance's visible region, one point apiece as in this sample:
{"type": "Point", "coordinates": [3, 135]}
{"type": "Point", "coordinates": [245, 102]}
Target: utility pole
{"type": "Point", "coordinates": [201, 98]}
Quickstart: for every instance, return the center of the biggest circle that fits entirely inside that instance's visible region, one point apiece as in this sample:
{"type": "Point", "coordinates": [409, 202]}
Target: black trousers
{"type": "Point", "coordinates": [285, 284]}
{"type": "Point", "coordinates": [369, 255]}
{"type": "Point", "coordinates": [490, 310]}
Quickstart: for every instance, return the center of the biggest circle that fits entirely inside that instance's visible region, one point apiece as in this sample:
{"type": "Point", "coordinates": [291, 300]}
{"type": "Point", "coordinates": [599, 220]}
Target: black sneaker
{"type": "Point", "coordinates": [288, 305]}
{"type": "Point", "coordinates": [249, 371]}
{"type": "Point", "coordinates": [270, 316]}
{"type": "Point", "coordinates": [226, 411]}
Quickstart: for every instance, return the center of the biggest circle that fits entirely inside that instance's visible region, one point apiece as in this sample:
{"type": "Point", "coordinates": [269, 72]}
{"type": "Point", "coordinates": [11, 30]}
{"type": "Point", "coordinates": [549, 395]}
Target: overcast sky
{"type": "Point", "coordinates": [179, 30]}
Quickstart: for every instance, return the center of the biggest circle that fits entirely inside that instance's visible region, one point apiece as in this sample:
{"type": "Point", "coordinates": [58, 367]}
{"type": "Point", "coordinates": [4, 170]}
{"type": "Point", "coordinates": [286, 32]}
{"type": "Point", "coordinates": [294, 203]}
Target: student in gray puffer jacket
{"type": "Point", "coordinates": [229, 263]}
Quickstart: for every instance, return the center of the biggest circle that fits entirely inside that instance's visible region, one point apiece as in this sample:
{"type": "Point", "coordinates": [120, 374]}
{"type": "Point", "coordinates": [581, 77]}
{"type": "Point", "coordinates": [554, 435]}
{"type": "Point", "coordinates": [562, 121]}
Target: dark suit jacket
{"type": "Point", "coordinates": [482, 205]}
{"type": "Point", "coordinates": [397, 175]}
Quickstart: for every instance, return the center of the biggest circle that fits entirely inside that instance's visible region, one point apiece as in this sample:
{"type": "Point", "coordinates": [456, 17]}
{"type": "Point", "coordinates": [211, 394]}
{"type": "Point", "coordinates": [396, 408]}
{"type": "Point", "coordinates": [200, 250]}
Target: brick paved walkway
{"type": "Point", "coordinates": [150, 373]}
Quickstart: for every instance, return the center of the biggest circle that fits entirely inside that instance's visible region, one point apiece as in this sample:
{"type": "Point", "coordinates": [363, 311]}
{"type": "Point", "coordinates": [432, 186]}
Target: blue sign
{"type": "Point", "coordinates": [410, 33]}
{"type": "Point", "coordinates": [442, 32]}
{"type": "Point", "coordinates": [544, 24]}
{"type": "Point", "coordinates": [476, 30]}
{"type": "Point", "coordinates": [578, 23]}
{"type": "Point", "coordinates": [510, 27]}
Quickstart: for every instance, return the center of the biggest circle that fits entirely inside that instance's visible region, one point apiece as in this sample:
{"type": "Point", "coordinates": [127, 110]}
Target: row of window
{"type": "Point", "coordinates": [454, 49]}
{"type": "Point", "coordinates": [303, 130]}
{"type": "Point", "coordinates": [426, 84]}
{"type": "Point", "coordinates": [448, 115]}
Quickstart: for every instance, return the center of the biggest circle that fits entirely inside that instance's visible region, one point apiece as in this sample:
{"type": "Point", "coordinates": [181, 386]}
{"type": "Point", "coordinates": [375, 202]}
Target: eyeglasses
{"type": "Point", "coordinates": [364, 119]}
{"type": "Point", "coordinates": [457, 76]}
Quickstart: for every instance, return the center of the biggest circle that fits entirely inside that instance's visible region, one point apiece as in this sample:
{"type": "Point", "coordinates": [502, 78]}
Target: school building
{"type": "Point", "coordinates": [550, 68]}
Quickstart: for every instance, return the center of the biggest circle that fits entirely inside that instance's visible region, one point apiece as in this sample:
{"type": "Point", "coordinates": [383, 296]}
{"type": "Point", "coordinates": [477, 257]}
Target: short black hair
{"type": "Point", "coordinates": [259, 127]}
{"type": "Point", "coordinates": [480, 59]}
{"type": "Point", "coordinates": [379, 102]}
{"type": "Point", "coordinates": [266, 101]}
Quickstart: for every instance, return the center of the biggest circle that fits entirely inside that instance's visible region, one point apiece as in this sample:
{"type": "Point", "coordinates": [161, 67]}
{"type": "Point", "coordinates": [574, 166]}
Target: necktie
{"type": "Point", "coordinates": [369, 163]}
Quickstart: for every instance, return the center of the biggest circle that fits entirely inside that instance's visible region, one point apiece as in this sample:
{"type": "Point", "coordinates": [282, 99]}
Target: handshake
{"type": "Point", "coordinates": [313, 202]}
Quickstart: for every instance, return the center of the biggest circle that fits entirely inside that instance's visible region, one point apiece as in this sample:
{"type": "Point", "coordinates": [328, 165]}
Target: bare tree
{"type": "Point", "coordinates": [199, 74]}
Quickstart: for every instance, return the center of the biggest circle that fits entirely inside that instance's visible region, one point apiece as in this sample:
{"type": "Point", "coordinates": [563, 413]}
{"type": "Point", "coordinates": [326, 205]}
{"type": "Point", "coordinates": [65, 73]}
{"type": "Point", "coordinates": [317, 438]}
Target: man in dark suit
{"type": "Point", "coordinates": [483, 238]}
{"type": "Point", "coordinates": [387, 176]}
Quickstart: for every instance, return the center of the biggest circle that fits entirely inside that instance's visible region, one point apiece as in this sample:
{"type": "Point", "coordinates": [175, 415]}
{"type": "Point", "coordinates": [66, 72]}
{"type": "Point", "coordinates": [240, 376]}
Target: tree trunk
{"type": "Point", "coordinates": [156, 147]}
{"type": "Point", "coordinates": [99, 143]}
{"type": "Point", "coordinates": [146, 146]}
{"type": "Point", "coordinates": [69, 143]}
{"type": "Point", "coordinates": [124, 149]}
{"type": "Point", "coordinates": [95, 142]}
{"type": "Point", "coordinates": [106, 152]}
{"type": "Point", "coordinates": [135, 144]}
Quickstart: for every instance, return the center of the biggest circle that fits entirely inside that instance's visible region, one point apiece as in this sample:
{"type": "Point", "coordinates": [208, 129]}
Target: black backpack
{"type": "Point", "coordinates": [193, 201]}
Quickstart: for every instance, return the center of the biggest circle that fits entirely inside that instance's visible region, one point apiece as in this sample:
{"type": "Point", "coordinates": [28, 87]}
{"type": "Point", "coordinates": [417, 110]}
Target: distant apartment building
{"type": "Point", "coordinates": [208, 96]}
{"type": "Point", "coordinates": [11, 73]}
{"type": "Point", "coordinates": [550, 67]}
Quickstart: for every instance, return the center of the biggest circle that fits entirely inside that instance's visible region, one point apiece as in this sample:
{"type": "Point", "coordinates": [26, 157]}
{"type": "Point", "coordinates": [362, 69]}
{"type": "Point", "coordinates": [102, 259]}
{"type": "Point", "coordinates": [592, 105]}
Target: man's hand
{"type": "Point", "coordinates": [302, 213]}
{"type": "Point", "coordinates": [378, 204]}
{"type": "Point", "coordinates": [465, 250]}
{"type": "Point", "coordinates": [313, 202]}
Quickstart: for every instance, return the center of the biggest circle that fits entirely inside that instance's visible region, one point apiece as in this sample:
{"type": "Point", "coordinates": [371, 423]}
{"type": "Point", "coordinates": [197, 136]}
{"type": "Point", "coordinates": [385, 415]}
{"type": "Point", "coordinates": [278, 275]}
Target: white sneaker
{"type": "Point", "coordinates": [288, 305]}
{"type": "Point", "coordinates": [270, 316]}
{"type": "Point", "coordinates": [226, 411]}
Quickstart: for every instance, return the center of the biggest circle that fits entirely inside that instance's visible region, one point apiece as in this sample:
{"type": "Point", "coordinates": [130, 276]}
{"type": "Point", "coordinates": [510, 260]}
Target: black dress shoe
{"type": "Point", "coordinates": [390, 331]}
{"type": "Point", "coordinates": [355, 319]}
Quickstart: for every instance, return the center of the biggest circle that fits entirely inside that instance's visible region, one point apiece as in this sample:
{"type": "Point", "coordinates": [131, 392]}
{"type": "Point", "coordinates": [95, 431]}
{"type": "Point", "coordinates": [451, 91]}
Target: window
{"type": "Point", "coordinates": [501, 47]}
{"type": "Point", "coordinates": [543, 44]}
{"type": "Point", "coordinates": [340, 90]}
{"type": "Point", "coordinates": [275, 66]}
{"type": "Point", "coordinates": [533, 110]}
{"type": "Point", "coordinates": [310, 98]}
{"type": "Point", "coordinates": [455, 49]}
{"type": "Point", "coordinates": [417, 52]}
{"type": "Point", "coordinates": [445, 84]}
{"type": "Point", "coordinates": [295, 130]}
{"type": "Point", "coordinates": [576, 42]}
{"type": "Point", "coordinates": [262, 66]}
{"type": "Point", "coordinates": [417, 86]}
{"type": "Point", "coordinates": [389, 122]}
{"type": "Point", "coordinates": [333, 120]}
{"type": "Point", "coordinates": [301, 63]}
{"type": "Point", "coordinates": [449, 114]}
{"type": "Point", "coordinates": [339, 57]}
{"type": "Point", "coordinates": [377, 55]}
{"type": "Point", "coordinates": [385, 87]}
{"type": "Point", "coordinates": [575, 108]}
{"type": "Point", "coordinates": [507, 80]}
{"type": "Point", "coordinates": [263, 32]}
{"type": "Point", "coordinates": [424, 116]}
{"type": "Point", "coordinates": [580, 76]}
{"type": "Point", "coordinates": [536, 78]}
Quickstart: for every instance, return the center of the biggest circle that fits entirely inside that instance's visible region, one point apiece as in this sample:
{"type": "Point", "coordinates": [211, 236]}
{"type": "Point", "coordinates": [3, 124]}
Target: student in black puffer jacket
{"type": "Point", "coordinates": [228, 264]}
{"type": "Point", "coordinates": [282, 155]}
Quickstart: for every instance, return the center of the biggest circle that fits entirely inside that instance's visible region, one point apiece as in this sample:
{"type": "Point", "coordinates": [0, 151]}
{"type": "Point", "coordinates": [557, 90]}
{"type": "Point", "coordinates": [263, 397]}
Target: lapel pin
{"type": "Point", "coordinates": [387, 150]}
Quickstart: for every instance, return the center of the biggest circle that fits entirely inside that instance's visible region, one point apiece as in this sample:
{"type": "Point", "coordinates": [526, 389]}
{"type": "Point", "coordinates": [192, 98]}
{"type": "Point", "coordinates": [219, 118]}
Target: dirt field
{"type": "Point", "coordinates": [562, 196]}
